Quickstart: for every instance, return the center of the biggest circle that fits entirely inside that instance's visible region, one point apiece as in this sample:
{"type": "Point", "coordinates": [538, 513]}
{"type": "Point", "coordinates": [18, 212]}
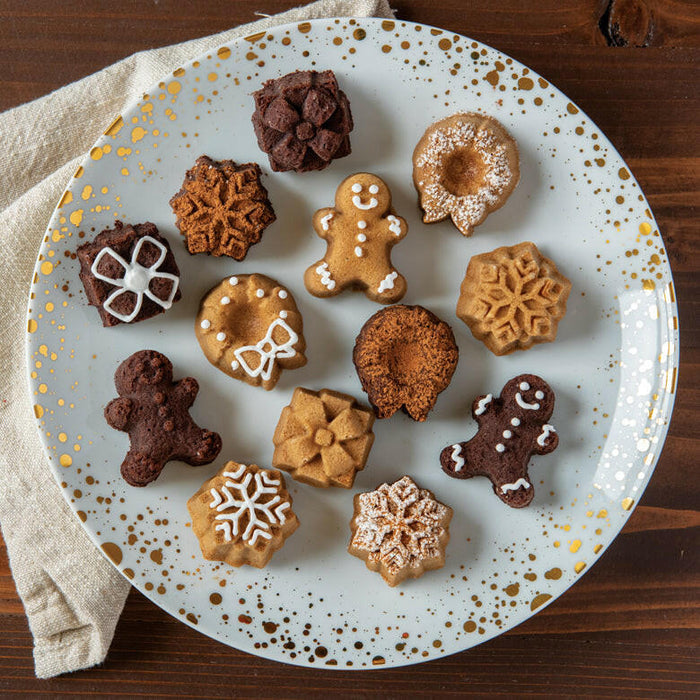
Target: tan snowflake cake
{"type": "Point", "coordinates": [242, 515]}
{"type": "Point", "coordinates": [323, 438]}
{"type": "Point", "coordinates": [513, 298]}
{"type": "Point", "coordinates": [465, 167]}
{"type": "Point", "coordinates": [400, 530]}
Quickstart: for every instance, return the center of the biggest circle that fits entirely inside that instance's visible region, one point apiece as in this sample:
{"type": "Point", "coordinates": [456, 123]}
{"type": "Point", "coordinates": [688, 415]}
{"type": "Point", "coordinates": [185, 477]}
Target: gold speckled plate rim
{"type": "Point", "coordinates": [662, 408]}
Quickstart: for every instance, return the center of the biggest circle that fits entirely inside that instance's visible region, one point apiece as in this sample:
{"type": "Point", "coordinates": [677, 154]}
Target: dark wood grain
{"type": "Point", "coordinates": [629, 628]}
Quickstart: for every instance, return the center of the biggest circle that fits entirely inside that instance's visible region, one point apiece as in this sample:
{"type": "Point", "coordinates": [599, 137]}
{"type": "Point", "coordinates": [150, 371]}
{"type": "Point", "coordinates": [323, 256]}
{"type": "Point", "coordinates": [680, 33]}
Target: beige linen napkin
{"type": "Point", "coordinates": [72, 596]}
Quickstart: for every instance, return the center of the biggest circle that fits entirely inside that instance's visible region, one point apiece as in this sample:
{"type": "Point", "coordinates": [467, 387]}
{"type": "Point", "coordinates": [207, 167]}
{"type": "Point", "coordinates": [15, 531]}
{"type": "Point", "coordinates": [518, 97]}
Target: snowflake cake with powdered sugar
{"type": "Point", "coordinates": [400, 530]}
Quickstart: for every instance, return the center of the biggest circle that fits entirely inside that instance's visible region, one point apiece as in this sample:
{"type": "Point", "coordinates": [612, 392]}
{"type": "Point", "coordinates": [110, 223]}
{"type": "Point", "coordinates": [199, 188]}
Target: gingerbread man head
{"type": "Point", "coordinates": [143, 371]}
{"type": "Point", "coordinates": [363, 197]}
{"type": "Point", "coordinates": [529, 399]}
{"type": "Point", "coordinates": [512, 428]}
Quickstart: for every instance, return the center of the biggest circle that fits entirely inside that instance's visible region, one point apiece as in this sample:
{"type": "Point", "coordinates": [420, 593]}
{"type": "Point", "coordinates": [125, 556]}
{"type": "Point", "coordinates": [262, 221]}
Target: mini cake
{"type": "Point", "coordinates": [250, 328]}
{"type": "Point", "coordinates": [302, 121]}
{"type": "Point", "coordinates": [155, 411]}
{"type": "Point", "coordinates": [405, 356]}
{"type": "Point", "coordinates": [464, 167]}
{"type": "Point", "coordinates": [360, 232]}
{"type": "Point", "coordinates": [129, 273]}
{"type": "Point", "coordinates": [222, 208]}
{"type": "Point", "coordinates": [242, 515]}
{"type": "Point", "coordinates": [400, 530]}
{"type": "Point", "coordinates": [513, 298]}
{"type": "Point", "coordinates": [323, 438]}
{"type": "Point", "coordinates": [512, 428]}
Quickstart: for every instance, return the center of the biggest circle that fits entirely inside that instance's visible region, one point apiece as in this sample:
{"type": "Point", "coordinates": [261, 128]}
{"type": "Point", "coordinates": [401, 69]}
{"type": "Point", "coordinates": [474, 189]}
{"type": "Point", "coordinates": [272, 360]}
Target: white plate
{"type": "Point", "coordinates": [613, 365]}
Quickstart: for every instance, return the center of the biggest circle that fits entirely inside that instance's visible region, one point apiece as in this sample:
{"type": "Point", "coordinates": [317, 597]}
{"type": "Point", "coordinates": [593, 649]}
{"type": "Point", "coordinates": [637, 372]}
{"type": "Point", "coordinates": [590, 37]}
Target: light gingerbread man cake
{"type": "Point", "coordinates": [360, 232]}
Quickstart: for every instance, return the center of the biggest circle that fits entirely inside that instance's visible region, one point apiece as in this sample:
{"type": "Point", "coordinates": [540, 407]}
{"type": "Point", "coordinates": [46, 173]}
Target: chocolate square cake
{"type": "Point", "coordinates": [129, 273]}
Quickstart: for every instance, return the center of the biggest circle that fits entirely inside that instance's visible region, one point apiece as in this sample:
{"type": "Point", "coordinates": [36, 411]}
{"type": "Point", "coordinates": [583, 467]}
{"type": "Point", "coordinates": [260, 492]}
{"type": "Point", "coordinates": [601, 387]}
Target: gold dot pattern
{"type": "Point", "coordinates": [620, 273]}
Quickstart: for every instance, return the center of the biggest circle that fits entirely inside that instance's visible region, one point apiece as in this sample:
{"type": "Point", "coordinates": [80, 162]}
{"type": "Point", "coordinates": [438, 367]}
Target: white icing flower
{"type": "Point", "coordinates": [135, 279]}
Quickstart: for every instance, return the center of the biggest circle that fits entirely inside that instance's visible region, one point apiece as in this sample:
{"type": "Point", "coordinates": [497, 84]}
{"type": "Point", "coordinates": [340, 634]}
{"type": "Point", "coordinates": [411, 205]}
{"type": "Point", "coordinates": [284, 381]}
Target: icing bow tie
{"type": "Point", "coordinates": [259, 359]}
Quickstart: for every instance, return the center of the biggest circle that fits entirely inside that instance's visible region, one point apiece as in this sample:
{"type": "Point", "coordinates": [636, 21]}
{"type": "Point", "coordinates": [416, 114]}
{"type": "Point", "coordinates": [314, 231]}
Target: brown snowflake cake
{"type": "Point", "coordinates": [223, 208]}
{"type": "Point", "coordinates": [323, 438]}
{"type": "Point", "coordinates": [464, 167]}
{"type": "Point", "coordinates": [400, 530]}
{"type": "Point", "coordinates": [513, 298]}
{"type": "Point", "coordinates": [242, 515]}
{"type": "Point", "coordinates": [302, 121]}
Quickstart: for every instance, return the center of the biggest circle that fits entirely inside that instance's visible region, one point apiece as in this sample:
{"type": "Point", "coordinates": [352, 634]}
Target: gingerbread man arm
{"type": "Point", "coordinates": [454, 460]}
{"type": "Point", "coordinates": [323, 221]}
{"type": "Point", "coordinates": [186, 390]}
{"type": "Point", "coordinates": [547, 440]}
{"type": "Point", "coordinates": [482, 406]}
{"type": "Point", "coordinates": [397, 228]}
{"type": "Point", "coordinates": [118, 412]}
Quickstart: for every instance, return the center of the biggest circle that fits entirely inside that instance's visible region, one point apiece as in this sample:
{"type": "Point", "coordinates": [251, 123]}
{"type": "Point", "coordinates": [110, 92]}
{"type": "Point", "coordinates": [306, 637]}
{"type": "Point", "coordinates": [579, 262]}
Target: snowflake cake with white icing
{"type": "Point", "coordinates": [400, 530]}
{"type": "Point", "coordinates": [242, 515]}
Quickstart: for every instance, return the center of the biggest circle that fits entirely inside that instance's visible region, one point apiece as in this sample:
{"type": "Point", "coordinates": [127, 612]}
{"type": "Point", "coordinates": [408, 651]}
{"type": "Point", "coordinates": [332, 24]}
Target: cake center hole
{"type": "Point", "coordinates": [405, 362]}
{"type": "Point", "coordinates": [246, 328]}
{"type": "Point", "coordinates": [463, 172]}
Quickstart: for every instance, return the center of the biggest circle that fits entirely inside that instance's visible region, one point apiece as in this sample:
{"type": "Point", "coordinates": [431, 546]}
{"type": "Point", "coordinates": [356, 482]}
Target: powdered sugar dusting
{"type": "Point", "coordinates": [466, 210]}
{"type": "Point", "coordinates": [400, 526]}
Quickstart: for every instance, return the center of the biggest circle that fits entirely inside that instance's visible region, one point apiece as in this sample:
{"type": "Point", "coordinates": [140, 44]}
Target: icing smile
{"type": "Point", "coordinates": [524, 404]}
{"type": "Point", "coordinates": [524, 386]}
{"type": "Point", "coordinates": [357, 202]}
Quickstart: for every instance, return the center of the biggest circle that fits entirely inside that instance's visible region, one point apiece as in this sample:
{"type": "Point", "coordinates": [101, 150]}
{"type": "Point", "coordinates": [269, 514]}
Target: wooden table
{"type": "Point", "coordinates": [629, 628]}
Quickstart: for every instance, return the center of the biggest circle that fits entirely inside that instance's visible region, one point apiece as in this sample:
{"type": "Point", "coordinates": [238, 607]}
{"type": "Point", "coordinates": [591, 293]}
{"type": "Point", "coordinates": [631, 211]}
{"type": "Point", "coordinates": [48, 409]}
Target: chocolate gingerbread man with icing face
{"type": "Point", "coordinates": [512, 428]}
{"type": "Point", "coordinates": [154, 410]}
{"type": "Point", "coordinates": [360, 231]}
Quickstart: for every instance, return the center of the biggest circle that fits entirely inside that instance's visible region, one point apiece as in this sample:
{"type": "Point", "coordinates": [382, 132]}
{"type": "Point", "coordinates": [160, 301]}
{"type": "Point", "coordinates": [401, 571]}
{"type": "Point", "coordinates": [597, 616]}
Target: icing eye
{"type": "Point", "coordinates": [524, 386]}
{"type": "Point", "coordinates": [539, 394]}
{"type": "Point", "coordinates": [357, 187]}
{"type": "Point", "coordinates": [373, 189]}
